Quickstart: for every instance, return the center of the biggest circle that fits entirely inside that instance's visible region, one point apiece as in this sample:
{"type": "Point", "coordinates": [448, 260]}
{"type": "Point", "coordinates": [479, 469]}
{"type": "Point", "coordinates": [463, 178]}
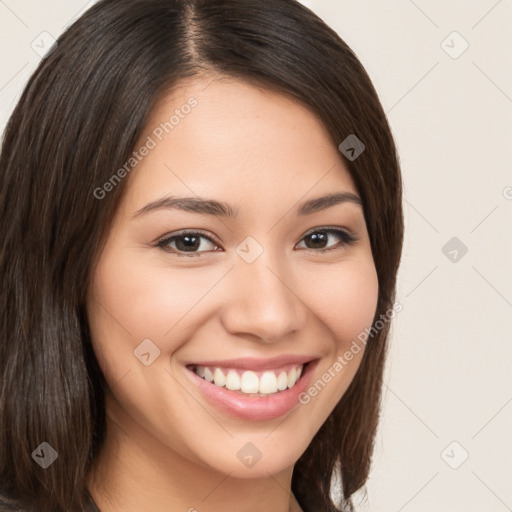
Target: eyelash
{"type": "Point", "coordinates": [347, 240]}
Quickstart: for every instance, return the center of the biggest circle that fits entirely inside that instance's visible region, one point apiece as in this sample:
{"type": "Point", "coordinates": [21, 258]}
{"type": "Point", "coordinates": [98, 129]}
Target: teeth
{"type": "Point", "coordinates": [208, 374]}
{"type": "Point", "coordinates": [282, 381]}
{"type": "Point", "coordinates": [249, 382]}
{"type": "Point", "coordinates": [219, 378]}
{"type": "Point", "coordinates": [268, 383]}
{"type": "Point", "coordinates": [292, 377]}
{"type": "Point", "coordinates": [233, 381]}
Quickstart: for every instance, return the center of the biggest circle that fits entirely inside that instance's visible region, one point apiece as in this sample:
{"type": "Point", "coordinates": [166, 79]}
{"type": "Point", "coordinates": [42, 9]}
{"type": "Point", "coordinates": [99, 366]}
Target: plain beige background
{"type": "Point", "coordinates": [444, 76]}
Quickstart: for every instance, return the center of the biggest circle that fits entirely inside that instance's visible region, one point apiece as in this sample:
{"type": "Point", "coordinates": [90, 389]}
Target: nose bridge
{"type": "Point", "coordinates": [262, 300]}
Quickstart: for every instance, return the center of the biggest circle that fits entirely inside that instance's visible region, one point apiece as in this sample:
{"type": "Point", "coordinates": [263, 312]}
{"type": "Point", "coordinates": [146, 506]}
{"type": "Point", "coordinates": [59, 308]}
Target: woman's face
{"type": "Point", "coordinates": [248, 299]}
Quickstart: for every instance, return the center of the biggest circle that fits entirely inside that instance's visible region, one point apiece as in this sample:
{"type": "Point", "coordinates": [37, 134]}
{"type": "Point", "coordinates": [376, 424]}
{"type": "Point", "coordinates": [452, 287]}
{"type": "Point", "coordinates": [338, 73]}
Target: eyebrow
{"type": "Point", "coordinates": [220, 209]}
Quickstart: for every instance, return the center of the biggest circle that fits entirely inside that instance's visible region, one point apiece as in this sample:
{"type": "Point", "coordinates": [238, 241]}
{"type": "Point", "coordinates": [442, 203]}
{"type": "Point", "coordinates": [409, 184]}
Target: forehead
{"type": "Point", "coordinates": [228, 139]}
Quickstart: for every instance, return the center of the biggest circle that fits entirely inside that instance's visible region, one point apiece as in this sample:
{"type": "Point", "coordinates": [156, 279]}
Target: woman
{"type": "Point", "coordinates": [199, 267]}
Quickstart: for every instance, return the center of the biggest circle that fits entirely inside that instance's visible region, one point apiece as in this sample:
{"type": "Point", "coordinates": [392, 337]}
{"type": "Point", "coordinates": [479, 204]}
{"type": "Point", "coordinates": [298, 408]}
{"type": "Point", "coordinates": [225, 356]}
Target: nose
{"type": "Point", "coordinates": [262, 300]}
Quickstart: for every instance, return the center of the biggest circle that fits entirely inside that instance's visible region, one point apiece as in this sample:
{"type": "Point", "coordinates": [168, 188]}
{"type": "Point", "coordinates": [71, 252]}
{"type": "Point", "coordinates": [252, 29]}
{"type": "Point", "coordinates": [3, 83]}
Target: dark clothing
{"type": "Point", "coordinates": [91, 506]}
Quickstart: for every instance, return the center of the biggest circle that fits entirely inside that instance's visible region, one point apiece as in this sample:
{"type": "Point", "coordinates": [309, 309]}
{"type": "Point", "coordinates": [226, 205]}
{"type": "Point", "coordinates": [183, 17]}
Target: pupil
{"type": "Point", "coordinates": [191, 242]}
{"type": "Point", "coordinates": [321, 237]}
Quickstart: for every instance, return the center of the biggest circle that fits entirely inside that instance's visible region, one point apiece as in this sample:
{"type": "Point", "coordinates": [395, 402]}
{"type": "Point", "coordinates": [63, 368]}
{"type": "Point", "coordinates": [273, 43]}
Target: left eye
{"type": "Point", "coordinates": [191, 241]}
{"type": "Point", "coordinates": [320, 236]}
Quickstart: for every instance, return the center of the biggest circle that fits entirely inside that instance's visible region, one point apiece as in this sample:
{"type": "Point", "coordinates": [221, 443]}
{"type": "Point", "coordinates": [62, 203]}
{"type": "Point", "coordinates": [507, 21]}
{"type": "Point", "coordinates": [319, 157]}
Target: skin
{"type": "Point", "coordinates": [167, 448]}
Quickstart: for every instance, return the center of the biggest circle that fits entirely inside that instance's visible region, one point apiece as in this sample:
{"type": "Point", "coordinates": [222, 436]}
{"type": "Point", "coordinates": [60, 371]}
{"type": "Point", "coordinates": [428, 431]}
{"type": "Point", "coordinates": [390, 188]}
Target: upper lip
{"type": "Point", "coordinates": [251, 363]}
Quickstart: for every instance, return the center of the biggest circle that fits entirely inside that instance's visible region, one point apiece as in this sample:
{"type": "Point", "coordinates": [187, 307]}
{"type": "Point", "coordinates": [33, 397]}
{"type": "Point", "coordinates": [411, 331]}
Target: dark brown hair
{"type": "Point", "coordinates": [76, 122]}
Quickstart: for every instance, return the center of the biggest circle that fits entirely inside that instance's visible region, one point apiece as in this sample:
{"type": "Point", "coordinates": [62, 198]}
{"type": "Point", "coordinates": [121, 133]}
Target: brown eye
{"type": "Point", "coordinates": [187, 242]}
{"type": "Point", "coordinates": [319, 238]}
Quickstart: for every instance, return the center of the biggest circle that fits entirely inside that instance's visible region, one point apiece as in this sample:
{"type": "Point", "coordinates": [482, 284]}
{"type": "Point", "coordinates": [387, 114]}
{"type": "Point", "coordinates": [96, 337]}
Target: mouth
{"type": "Point", "coordinates": [252, 389]}
{"type": "Point", "coordinates": [249, 382]}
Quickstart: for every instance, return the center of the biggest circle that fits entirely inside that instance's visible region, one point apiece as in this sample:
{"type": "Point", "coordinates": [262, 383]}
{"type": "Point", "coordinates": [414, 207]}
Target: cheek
{"type": "Point", "coordinates": [141, 299]}
{"type": "Point", "coordinates": [135, 299]}
{"type": "Point", "coordinates": [346, 301]}
{"type": "Point", "coordinates": [345, 298]}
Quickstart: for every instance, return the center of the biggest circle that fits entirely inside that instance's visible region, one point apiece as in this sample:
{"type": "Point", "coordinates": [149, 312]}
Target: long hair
{"type": "Point", "coordinates": [77, 121]}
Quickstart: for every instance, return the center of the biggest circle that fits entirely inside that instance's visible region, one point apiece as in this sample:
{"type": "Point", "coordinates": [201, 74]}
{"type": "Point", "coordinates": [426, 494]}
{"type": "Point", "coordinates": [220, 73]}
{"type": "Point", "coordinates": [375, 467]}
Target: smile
{"type": "Point", "coordinates": [250, 382]}
{"type": "Point", "coordinates": [252, 389]}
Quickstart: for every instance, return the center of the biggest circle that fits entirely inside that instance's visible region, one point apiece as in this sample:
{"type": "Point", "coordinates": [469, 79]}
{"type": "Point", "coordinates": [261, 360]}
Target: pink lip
{"type": "Point", "coordinates": [250, 363]}
{"type": "Point", "coordinates": [253, 407]}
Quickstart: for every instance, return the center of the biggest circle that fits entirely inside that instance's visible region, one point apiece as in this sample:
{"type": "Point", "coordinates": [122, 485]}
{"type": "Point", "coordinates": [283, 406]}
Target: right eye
{"type": "Point", "coordinates": [186, 242]}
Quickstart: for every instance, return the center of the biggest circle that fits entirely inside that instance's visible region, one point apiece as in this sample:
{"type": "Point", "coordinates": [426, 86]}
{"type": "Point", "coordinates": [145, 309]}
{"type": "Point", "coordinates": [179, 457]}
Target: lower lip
{"type": "Point", "coordinates": [255, 408]}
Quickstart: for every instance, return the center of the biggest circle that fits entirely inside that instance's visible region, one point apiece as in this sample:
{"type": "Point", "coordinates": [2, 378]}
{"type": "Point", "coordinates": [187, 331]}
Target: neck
{"type": "Point", "coordinates": [134, 472]}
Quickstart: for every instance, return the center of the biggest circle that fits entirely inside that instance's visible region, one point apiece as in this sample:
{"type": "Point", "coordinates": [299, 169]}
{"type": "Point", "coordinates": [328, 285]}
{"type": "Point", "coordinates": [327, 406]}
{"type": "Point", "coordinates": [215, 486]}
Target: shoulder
{"type": "Point", "coordinates": [11, 505]}
{"type": "Point", "coordinates": [7, 506]}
